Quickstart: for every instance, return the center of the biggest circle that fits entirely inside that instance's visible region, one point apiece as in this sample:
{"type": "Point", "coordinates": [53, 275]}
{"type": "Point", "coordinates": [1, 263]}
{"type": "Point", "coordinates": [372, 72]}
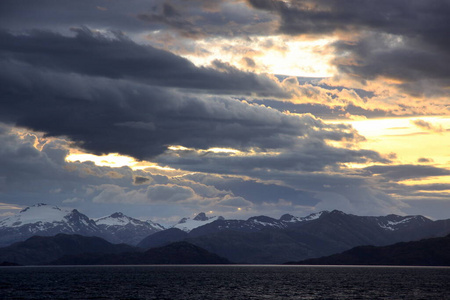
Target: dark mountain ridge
{"type": "Point", "coordinates": [39, 250]}
{"type": "Point", "coordinates": [176, 253]}
{"type": "Point", "coordinates": [426, 252]}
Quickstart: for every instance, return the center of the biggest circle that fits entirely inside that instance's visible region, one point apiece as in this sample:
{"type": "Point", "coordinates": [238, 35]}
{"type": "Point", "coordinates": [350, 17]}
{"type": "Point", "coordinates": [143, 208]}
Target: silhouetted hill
{"type": "Point", "coordinates": [39, 250]}
{"type": "Point", "coordinates": [163, 238]}
{"type": "Point", "coordinates": [175, 253]}
{"type": "Point", "coordinates": [427, 252]}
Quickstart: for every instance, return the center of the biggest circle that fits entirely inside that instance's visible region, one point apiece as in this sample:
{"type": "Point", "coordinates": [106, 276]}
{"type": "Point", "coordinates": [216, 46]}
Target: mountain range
{"type": "Point", "coordinates": [257, 240]}
{"type": "Point", "coordinates": [46, 220]}
{"type": "Point", "coordinates": [262, 239]}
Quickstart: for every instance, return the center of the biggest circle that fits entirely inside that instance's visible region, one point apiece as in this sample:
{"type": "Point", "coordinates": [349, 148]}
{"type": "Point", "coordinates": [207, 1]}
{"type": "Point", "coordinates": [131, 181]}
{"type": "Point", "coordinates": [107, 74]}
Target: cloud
{"type": "Point", "coordinates": [169, 193]}
{"type": "Point", "coordinates": [142, 180]}
{"type": "Point", "coordinates": [402, 172]}
{"type": "Point", "coordinates": [256, 191]}
{"type": "Point", "coordinates": [238, 202]}
{"type": "Point", "coordinates": [428, 126]}
{"type": "Point", "coordinates": [110, 193]}
{"type": "Point", "coordinates": [404, 41]}
{"type": "Point", "coordinates": [308, 155]}
{"type": "Point", "coordinates": [425, 160]}
{"type": "Point", "coordinates": [203, 19]}
{"type": "Point", "coordinates": [63, 14]}
{"type": "Point", "coordinates": [327, 16]}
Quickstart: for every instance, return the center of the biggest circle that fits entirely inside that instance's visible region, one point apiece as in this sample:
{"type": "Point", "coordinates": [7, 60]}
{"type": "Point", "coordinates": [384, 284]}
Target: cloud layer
{"type": "Point", "coordinates": [183, 86]}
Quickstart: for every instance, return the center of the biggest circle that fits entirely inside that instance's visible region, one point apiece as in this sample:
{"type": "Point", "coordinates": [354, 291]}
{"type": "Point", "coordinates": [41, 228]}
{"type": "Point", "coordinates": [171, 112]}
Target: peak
{"type": "Point", "coordinates": [201, 217]}
{"type": "Point", "coordinates": [286, 217]}
{"type": "Point", "coordinates": [184, 220]}
{"type": "Point", "coordinates": [42, 205]}
{"type": "Point", "coordinates": [117, 215]}
{"type": "Point", "coordinates": [261, 219]}
{"type": "Point", "coordinates": [75, 212]}
{"type": "Point", "coordinates": [187, 224]}
{"type": "Point", "coordinates": [37, 213]}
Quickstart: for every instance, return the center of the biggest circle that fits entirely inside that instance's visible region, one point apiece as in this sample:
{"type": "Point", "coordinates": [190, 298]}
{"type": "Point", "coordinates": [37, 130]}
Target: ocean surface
{"type": "Point", "coordinates": [224, 282]}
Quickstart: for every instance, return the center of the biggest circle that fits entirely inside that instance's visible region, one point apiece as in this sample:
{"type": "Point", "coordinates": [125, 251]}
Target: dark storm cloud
{"type": "Point", "coordinates": [203, 18]}
{"type": "Point", "coordinates": [173, 19]}
{"type": "Point", "coordinates": [321, 110]}
{"type": "Point", "coordinates": [254, 191]}
{"type": "Point", "coordinates": [34, 175]}
{"type": "Point", "coordinates": [113, 55]}
{"type": "Point", "coordinates": [309, 155]}
{"type": "Point", "coordinates": [402, 172]}
{"type": "Point", "coordinates": [403, 17]}
{"type": "Point", "coordinates": [63, 14]}
{"type": "Point", "coordinates": [420, 68]}
{"type": "Point", "coordinates": [141, 180]}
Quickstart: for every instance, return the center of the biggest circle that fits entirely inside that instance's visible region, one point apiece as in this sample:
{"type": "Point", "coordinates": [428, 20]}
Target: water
{"type": "Point", "coordinates": [224, 282]}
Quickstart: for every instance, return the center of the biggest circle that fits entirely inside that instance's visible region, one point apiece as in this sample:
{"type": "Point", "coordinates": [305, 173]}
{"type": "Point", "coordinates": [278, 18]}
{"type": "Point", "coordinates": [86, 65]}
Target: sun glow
{"type": "Point", "coordinates": [271, 54]}
{"type": "Point", "coordinates": [110, 160]}
{"type": "Point", "coordinates": [415, 140]}
{"type": "Point", "coordinates": [427, 181]}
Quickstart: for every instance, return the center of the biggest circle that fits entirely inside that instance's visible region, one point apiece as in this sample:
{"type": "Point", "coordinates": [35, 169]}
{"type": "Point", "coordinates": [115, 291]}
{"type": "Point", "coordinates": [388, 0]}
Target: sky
{"type": "Point", "coordinates": [162, 109]}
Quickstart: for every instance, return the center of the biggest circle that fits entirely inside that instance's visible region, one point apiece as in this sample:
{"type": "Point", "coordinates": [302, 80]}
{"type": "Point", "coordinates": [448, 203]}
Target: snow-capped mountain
{"type": "Point", "coordinates": [267, 240]}
{"type": "Point", "coordinates": [253, 224]}
{"type": "Point", "coordinates": [395, 222]}
{"type": "Point", "coordinates": [126, 229]}
{"type": "Point", "coordinates": [287, 218]}
{"type": "Point", "coordinates": [259, 239]}
{"type": "Point", "coordinates": [187, 224]}
{"type": "Point", "coordinates": [46, 220]}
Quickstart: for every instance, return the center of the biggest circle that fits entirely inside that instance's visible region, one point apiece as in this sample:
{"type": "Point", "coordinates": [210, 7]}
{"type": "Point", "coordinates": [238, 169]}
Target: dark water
{"type": "Point", "coordinates": [224, 282]}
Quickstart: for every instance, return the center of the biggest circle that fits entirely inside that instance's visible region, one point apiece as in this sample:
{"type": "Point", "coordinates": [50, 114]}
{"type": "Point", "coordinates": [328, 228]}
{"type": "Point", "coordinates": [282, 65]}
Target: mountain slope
{"type": "Point", "coordinates": [45, 220]}
{"type": "Point", "coordinates": [427, 252]}
{"type": "Point", "coordinates": [175, 253]}
{"type": "Point", "coordinates": [188, 224]}
{"type": "Point", "coordinates": [126, 229]}
{"type": "Point", "coordinates": [41, 250]}
{"type": "Point", "coordinates": [252, 224]}
{"type": "Point", "coordinates": [163, 238]}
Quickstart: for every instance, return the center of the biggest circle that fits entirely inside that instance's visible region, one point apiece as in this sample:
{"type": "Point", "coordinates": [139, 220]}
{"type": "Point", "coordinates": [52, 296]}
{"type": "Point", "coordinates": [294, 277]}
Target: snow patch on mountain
{"type": "Point", "coordinates": [395, 222]}
{"type": "Point", "coordinates": [119, 219]}
{"type": "Point", "coordinates": [42, 213]}
{"type": "Point", "coordinates": [187, 224]}
{"type": "Point", "coordinates": [287, 218]}
{"type": "Point", "coordinates": [116, 219]}
{"type": "Point", "coordinates": [391, 225]}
